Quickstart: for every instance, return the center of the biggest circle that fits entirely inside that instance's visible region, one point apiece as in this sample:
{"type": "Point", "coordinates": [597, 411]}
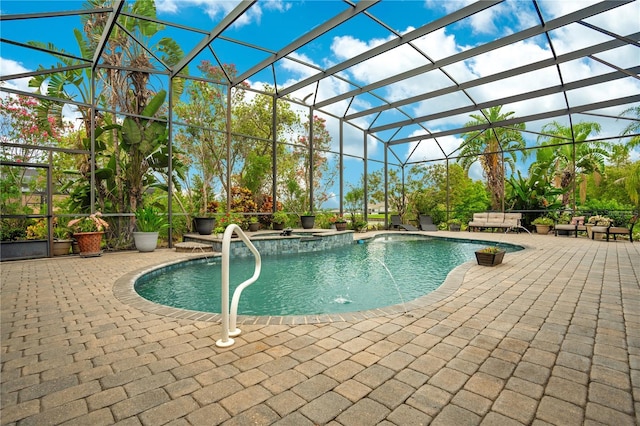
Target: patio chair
{"type": "Point", "coordinates": [426, 223]}
{"type": "Point", "coordinates": [576, 224]}
{"type": "Point", "coordinates": [396, 223]}
{"type": "Point", "coordinates": [615, 230]}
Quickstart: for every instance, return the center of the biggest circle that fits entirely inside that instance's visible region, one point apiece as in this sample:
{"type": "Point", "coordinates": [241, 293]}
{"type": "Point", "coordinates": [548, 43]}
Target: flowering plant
{"type": "Point", "coordinates": [600, 220]}
{"type": "Point", "coordinates": [490, 250]}
{"type": "Point", "coordinates": [226, 219]}
{"type": "Point", "coordinates": [337, 219]}
{"type": "Point", "coordinates": [92, 223]}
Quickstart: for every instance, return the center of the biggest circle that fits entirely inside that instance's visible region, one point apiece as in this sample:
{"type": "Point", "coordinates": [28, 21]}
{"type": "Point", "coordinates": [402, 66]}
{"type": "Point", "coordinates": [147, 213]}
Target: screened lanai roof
{"type": "Point", "coordinates": [407, 73]}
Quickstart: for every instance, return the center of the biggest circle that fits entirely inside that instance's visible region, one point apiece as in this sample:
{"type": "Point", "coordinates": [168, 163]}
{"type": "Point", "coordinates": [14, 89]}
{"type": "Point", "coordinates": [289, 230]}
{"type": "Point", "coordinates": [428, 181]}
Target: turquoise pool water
{"type": "Point", "coordinates": [384, 271]}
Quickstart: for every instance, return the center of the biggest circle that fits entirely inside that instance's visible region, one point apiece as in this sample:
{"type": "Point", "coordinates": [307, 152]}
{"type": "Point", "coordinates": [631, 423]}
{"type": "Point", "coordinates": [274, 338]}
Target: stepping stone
{"type": "Point", "coordinates": [192, 246]}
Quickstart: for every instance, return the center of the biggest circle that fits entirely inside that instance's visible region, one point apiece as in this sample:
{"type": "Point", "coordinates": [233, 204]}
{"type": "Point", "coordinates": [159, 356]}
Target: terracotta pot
{"type": "Point", "coordinates": [89, 243]}
{"type": "Point", "coordinates": [543, 229]}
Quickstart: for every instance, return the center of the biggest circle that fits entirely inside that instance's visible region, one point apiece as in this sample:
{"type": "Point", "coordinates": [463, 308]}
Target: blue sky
{"type": "Point", "coordinates": [274, 24]}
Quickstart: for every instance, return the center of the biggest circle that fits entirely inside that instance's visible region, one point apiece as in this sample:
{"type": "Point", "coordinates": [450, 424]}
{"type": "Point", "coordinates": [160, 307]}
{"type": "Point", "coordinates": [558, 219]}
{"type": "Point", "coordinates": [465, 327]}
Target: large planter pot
{"type": "Point", "coordinates": [24, 249]}
{"type": "Point", "coordinates": [543, 229]}
{"type": "Point", "coordinates": [145, 241]}
{"type": "Point", "coordinates": [307, 221]}
{"type": "Point", "coordinates": [489, 259]}
{"type": "Point", "coordinates": [89, 243]}
{"type": "Point", "coordinates": [61, 247]}
{"type": "Point", "coordinates": [254, 227]}
{"type": "Point", "coordinates": [454, 227]}
{"type": "Point", "coordinates": [204, 225]}
{"type": "Point", "coordinates": [341, 226]}
{"type": "Point", "coordinates": [277, 226]}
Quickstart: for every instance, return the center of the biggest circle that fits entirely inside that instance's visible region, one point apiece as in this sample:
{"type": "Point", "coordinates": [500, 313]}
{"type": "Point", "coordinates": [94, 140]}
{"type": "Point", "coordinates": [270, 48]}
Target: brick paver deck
{"type": "Point", "coordinates": [552, 336]}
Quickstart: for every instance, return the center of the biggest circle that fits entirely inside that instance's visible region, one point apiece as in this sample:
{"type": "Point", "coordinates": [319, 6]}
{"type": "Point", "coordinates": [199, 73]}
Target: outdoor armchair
{"type": "Point", "coordinates": [616, 230]}
{"type": "Point", "coordinates": [576, 224]}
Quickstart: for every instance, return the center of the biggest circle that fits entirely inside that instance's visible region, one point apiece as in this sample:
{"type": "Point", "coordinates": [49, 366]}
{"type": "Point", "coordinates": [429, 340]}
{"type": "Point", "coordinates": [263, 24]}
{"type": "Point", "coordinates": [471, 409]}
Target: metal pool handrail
{"type": "Point", "coordinates": [229, 316]}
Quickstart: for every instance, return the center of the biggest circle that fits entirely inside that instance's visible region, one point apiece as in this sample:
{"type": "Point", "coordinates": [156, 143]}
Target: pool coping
{"type": "Point", "coordinates": [124, 291]}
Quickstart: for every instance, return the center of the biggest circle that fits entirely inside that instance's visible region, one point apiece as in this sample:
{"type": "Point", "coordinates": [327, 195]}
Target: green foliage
{"type": "Point", "coordinates": [558, 157]}
{"type": "Point", "coordinates": [13, 229]}
{"type": "Point", "coordinates": [543, 220]}
{"type": "Point", "coordinates": [476, 199]}
{"type": "Point", "coordinates": [61, 232]}
{"type": "Point", "coordinates": [279, 217]}
{"type": "Point", "coordinates": [354, 202]}
{"type": "Point", "coordinates": [38, 230]}
{"type": "Point", "coordinates": [149, 219]}
{"type": "Point", "coordinates": [535, 192]}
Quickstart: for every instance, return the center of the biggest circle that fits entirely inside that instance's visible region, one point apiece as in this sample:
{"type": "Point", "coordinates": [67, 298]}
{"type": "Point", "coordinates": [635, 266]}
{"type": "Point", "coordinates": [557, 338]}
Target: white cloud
{"type": "Point", "coordinates": [219, 8]}
{"type": "Point", "coordinates": [11, 67]}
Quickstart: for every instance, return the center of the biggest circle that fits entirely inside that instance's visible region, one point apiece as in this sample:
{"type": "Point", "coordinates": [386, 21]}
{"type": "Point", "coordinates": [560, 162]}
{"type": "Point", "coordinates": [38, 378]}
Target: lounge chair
{"type": "Point", "coordinates": [576, 224]}
{"type": "Point", "coordinates": [396, 223]}
{"type": "Point", "coordinates": [615, 230]}
{"type": "Point", "coordinates": [426, 223]}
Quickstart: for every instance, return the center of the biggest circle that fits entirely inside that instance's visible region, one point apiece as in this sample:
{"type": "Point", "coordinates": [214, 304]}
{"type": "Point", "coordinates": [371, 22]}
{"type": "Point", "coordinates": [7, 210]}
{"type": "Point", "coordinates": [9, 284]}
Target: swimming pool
{"type": "Point", "coordinates": [386, 270]}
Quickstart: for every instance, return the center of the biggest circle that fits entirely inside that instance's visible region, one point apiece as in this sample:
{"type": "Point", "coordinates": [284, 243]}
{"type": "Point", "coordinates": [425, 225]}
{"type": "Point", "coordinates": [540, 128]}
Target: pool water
{"type": "Point", "coordinates": [383, 271]}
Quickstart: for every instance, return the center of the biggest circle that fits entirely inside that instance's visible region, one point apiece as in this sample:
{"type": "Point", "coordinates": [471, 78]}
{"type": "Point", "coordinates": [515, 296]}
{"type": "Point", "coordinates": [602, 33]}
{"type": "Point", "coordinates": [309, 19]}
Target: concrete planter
{"type": "Point", "coordinates": [61, 247]}
{"type": "Point", "coordinates": [145, 241]}
{"type": "Point", "coordinates": [24, 249]}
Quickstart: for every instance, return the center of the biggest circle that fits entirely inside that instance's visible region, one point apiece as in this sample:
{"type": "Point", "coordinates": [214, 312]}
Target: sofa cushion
{"type": "Point", "coordinates": [480, 217]}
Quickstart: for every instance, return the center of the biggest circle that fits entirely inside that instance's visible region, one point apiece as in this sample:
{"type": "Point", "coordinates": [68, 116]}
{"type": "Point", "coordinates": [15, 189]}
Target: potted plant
{"type": "Point", "coordinates": [88, 233]}
{"type": "Point", "coordinates": [454, 225]}
{"type": "Point", "coordinates": [149, 222]}
{"type": "Point", "coordinates": [254, 225]}
{"type": "Point", "coordinates": [490, 256]}
{"type": "Point", "coordinates": [61, 240]}
{"type": "Point", "coordinates": [543, 224]}
{"type": "Point", "coordinates": [307, 220]}
{"type": "Point", "coordinates": [340, 223]}
{"type": "Point", "coordinates": [225, 219]}
{"type": "Point", "coordinates": [204, 220]}
{"type": "Point", "coordinates": [278, 220]}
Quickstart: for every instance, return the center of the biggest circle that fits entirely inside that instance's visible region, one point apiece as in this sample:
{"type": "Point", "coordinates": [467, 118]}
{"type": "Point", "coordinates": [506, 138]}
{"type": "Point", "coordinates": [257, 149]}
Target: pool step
{"type": "Point", "coordinates": [192, 246]}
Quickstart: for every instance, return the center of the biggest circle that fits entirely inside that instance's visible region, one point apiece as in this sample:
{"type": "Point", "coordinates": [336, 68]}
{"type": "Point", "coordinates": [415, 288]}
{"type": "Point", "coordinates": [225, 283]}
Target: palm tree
{"type": "Point", "coordinates": [128, 154]}
{"type": "Point", "coordinates": [566, 154]}
{"type": "Point", "coordinates": [493, 147]}
{"type": "Point", "coordinates": [632, 180]}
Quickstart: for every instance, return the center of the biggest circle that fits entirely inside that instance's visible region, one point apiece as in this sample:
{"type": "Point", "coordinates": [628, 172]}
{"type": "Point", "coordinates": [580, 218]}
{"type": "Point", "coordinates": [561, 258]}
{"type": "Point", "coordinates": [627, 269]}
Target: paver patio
{"type": "Point", "coordinates": [551, 336]}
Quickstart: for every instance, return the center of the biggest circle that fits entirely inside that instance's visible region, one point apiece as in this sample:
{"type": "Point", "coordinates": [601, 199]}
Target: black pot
{"type": "Point", "coordinates": [204, 225]}
{"type": "Point", "coordinates": [307, 222]}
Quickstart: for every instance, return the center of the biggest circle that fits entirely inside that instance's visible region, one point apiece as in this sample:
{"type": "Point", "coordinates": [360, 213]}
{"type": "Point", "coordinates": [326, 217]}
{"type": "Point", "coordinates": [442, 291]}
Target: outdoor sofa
{"type": "Point", "coordinates": [496, 220]}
